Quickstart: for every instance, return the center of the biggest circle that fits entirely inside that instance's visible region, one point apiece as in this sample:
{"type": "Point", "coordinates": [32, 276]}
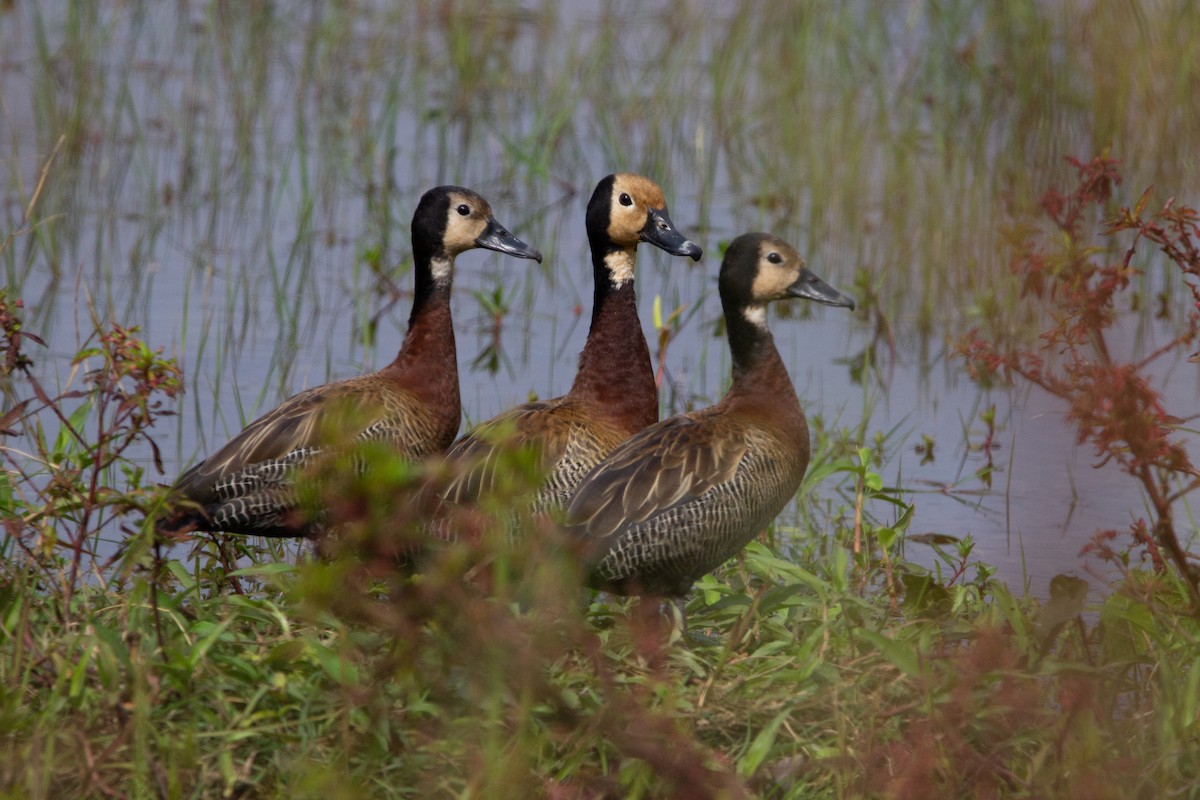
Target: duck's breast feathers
{"type": "Point", "coordinates": [671, 463]}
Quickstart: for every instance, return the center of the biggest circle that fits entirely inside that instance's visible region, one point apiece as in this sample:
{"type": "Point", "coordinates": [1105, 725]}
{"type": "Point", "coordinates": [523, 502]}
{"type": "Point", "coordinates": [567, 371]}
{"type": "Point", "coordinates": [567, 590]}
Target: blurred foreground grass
{"type": "Point", "coordinates": [796, 679]}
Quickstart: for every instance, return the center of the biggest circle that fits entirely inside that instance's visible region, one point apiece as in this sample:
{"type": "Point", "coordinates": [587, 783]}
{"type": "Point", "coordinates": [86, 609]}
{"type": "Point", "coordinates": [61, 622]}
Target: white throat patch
{"type": "Point", "coordinates": [756, 315]}
{"type": "Point", "coordinates": [620, 267]}
{"type": "Point", "coordinates": [442, 269]}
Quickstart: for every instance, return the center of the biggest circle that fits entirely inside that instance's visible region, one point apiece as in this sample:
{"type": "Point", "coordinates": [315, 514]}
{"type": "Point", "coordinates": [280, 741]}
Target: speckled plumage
{"type": "Point", "coordinates": [614, 394]}
{"type": "Point", "coordinates": [686, 494]}
{"type": "Point", "coordinates": [412, 404]}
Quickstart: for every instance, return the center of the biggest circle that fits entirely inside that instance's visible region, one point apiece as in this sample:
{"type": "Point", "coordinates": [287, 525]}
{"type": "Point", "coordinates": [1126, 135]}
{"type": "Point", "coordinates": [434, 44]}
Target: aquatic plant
{"type": "Point", "coordinates": [1112, 402]}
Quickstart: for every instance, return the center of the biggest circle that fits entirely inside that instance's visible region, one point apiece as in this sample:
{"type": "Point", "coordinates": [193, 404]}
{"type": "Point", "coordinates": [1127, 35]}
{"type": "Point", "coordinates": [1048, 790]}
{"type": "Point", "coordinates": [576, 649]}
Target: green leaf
{"type": "Point", "coordinates": [924, 595]}
{"type": "Point", "coordinates": [886, 536]}
{"type": "Point", "coordinates": [819, 473]}
{"type": "Point", "coordinates": [11, 605]}
{"type": "Point", "coordinates": [770, 648]}
{"type": "Point", "coordinates": [113, 643]}
{"type": "Point", "coordinates": [268, 570]}
{"type": "Point", "coordinates": [187, 581]}
{"type": "Point", "coordinates": [8, 500]}
{"type": "Point", "coordinates": [285, 653]}
{"type": "Point", "coordinates": [749, 763]}
{"type": "Point", "coordinates": [209, 633]}
{"type": "Point", "coordinates": [780, 596]}
{"type": "Point", "coordinates": [904, 656]}
{"type": "Point", "coordinates": [77, 420]}
{"type": "Point", "coordinates": [336, 667]}
{"type": "Point", "coordinates": [79, 675]}
{"type": "Point", "coordinates": [1188, 698]}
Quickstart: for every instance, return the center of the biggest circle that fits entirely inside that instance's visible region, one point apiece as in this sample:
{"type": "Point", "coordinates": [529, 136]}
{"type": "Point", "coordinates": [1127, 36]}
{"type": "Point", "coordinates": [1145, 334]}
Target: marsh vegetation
{"type": "Point", "coordinates": [235, 180]}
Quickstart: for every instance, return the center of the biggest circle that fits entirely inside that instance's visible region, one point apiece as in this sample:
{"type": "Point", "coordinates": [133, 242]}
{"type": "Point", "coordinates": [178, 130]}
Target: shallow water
{"type": "Point", "coordinates": [227, 179]}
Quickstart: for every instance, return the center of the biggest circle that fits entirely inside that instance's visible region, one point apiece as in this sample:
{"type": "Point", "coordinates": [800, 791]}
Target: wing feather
{"type": "Point", "coordinates": [301, 421]}
{"type": "Point", "coordinates": [538, 426]}
{"type": "Point", "coordinates": [666, 465]}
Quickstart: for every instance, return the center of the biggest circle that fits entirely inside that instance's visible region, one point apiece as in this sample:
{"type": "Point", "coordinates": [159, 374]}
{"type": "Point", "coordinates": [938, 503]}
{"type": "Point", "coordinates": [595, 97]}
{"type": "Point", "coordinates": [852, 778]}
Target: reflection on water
{"type": "Point", "coordinates": [238, 181]}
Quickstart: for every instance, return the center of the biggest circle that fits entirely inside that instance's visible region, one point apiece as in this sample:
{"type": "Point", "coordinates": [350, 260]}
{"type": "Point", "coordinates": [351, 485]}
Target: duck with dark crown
{"type": "Point", "coordinates": [614, 394]}
{"type": "Point", "coordinates": [686, 494]}
{"type": "Point", "coordinates": [412, 404]}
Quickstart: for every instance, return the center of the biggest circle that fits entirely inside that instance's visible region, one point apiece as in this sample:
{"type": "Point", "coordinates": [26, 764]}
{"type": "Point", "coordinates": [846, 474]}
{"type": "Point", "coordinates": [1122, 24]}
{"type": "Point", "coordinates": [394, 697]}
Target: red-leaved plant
{"type": "Point", "coordinates": [1111, 402]}
{"type": "Point", "coordinates": [73, 473]}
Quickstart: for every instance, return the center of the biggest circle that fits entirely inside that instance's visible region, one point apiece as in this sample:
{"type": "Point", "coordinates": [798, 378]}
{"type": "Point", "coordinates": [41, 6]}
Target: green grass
{"type": "Point", "coordinates": [797, 678]}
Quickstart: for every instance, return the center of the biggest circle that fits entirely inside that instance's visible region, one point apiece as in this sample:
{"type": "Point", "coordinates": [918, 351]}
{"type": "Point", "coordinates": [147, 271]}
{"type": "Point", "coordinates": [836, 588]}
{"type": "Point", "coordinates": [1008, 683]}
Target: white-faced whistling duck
{"type": "Point", "coordinates": [412, 403]}
{"type": "Point", "coordinates": [614, 394]}
{"type": "Point", "coordinates": [686, 494]}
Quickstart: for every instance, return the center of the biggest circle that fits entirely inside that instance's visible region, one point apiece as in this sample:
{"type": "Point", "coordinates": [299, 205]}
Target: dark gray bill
{"type": "Point", "coordinates": [496, 237]}
{"type": "Point", "coordinates": [660, 232]}
{"type": "Point", "coordinates": [810, 287]}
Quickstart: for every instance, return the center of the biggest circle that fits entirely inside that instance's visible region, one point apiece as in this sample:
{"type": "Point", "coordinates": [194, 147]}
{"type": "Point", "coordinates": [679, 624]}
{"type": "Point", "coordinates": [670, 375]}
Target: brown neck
{"type": "Point", "coordinates": [427, 364]}
{"type": "Point", "coordinates": [615, 378]}
{"type": "Point", "coordinates": [760, 378]}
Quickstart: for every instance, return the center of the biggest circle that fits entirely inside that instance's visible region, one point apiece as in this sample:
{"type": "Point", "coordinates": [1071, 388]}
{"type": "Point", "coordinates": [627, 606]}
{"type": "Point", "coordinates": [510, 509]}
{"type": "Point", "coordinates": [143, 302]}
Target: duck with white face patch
{"type": "Point", "coordinates": [686, 494]}
{"type": "Point", "coordinates": [412, 404]}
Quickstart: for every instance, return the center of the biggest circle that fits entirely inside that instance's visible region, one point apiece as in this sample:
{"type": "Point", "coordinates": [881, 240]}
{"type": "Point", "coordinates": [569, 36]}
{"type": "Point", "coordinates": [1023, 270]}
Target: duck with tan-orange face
{"type": "Point", "coordinates": [614, 394]}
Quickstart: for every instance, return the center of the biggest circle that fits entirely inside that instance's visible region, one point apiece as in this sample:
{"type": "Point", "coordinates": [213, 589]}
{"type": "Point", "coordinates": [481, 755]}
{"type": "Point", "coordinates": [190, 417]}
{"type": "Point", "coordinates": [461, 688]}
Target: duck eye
{"type": "Point", "coordinates": [775, 258]}
{"type": "Point", "coordinates": [625, 199]}
{"type": "Point", "coordinates": [463, 209]}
